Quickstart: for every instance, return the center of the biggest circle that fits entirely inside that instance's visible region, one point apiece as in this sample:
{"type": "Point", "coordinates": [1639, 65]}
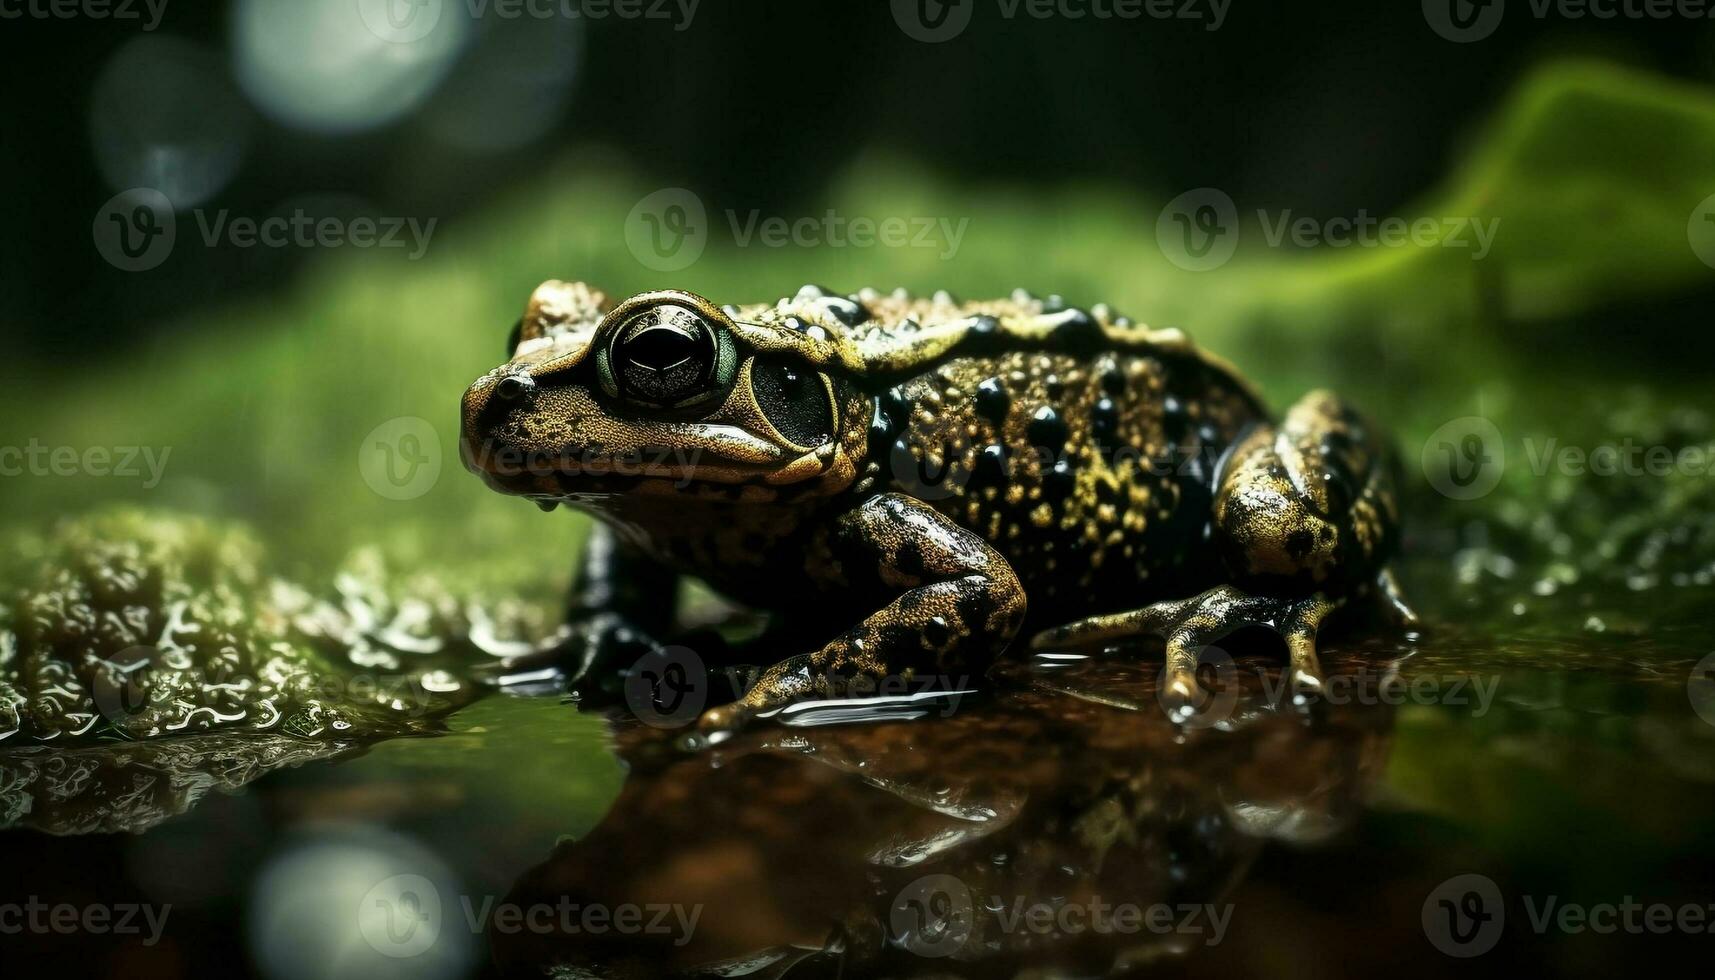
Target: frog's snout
{"type": "Point", "coordinates": [486, 404]}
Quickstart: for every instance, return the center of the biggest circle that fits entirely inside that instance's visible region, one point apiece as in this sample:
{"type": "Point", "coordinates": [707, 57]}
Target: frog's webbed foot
{"type": "Point", "coordinates": [1191, 625]}
{"type": "Point", "coordinates": [587, 656]}
{"type": "Point", "coordinates": [621, 601]}
{"type": "Point", "coordinates": [951, 604]}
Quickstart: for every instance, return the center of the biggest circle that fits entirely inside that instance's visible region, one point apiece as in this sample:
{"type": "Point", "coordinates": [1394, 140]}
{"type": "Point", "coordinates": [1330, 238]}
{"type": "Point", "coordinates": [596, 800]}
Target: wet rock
{"type": "Point", "coordinates": [141, 627]}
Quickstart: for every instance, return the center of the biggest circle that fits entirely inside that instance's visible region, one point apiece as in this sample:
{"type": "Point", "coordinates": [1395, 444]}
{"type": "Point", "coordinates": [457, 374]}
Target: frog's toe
{"type": "Point", "coordinates": [1192, 625]}
{"type": "Point", "coordinates": [1391, 600]}
{"type": "Point", "coordinates": [1111, 628]}
{"type": "Point", "coordinates": [586, 658]}
{"type": "Point", "coordinates": [723, 722]}
{"type": "Point", "coordinates": [1302, 664]}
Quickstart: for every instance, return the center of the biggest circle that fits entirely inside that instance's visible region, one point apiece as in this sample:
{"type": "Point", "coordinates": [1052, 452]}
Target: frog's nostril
{"type": "Point", "coordinates": [513, 387]}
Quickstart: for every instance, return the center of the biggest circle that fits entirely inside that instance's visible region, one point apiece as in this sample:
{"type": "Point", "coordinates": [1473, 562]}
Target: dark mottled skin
{"type": "Point", "coordinates": [926, 471]}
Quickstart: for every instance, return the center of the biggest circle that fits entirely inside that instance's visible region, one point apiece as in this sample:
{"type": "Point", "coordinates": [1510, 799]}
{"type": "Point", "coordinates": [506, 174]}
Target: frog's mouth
{"type": "Point", "coordinates": [559, 442]}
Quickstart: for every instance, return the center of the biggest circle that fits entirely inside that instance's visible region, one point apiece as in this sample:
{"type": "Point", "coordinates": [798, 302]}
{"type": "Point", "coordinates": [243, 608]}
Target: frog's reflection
{"type": "Point", "coordinates": [1063, 826]}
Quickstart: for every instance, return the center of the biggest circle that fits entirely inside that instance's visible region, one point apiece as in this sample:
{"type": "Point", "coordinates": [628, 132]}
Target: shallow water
{"type": "Point", "coordinates": [1057, 825]}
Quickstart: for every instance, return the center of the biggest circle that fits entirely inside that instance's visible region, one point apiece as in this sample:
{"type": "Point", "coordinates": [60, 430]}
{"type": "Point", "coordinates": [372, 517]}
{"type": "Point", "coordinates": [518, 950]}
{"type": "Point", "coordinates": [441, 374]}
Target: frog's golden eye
{"type": "Point", "coordinates": [667, 356]}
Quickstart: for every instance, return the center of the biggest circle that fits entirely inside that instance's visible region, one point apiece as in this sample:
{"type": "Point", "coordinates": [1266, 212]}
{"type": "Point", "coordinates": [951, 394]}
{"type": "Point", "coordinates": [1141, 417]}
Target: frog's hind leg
{"type": "Point", "coordinates": [1305, 516]}
{"type": "Point", "coordinates": [1191, 625]}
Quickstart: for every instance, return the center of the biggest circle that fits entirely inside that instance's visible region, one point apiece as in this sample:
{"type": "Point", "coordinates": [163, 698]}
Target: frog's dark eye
{"type": "Point", "coordinates": [667, 357]}
{"type": "Point", "coordinates": [794, 400]}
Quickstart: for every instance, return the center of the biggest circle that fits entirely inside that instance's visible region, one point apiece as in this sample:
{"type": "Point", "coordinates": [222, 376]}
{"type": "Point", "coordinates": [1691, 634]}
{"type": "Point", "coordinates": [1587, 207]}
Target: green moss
{"type": "Point", "coordinates": [135, 625]}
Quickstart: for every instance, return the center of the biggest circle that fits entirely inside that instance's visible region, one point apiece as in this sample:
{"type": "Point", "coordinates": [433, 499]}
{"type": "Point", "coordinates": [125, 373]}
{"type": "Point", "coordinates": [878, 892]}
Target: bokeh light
{"type": "Point", "coordinates": [342, 66]}
{"type": "Point", "coordinates": [164, 114]}
{"type": "Point", "coordinates": [358, 903]}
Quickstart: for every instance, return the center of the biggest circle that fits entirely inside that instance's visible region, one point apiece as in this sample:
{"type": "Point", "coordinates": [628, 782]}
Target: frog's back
{"type": "Point", "coordinates": [1086, 455]}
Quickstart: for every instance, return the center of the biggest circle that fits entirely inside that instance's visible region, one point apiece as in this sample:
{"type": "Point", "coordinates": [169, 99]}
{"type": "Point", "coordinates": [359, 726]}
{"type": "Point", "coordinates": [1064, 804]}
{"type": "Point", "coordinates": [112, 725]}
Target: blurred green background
{"type": "Point", "coordinates": [277, 385]}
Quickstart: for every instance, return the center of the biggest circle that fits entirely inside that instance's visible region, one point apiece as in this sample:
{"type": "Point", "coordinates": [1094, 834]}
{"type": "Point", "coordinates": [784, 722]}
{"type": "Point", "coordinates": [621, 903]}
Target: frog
{"type": "Point", "coordinates": [914, 485]}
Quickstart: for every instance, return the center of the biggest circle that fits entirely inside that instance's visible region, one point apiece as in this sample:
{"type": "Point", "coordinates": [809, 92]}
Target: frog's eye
{"type": "Point", "coordinates": [667, 356]}
{"type": "Point", "coordinates": [794, 400]}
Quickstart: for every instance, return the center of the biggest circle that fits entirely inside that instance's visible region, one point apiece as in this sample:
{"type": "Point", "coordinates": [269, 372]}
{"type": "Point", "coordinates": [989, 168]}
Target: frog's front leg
{"type": "Point", "coordinates": [621, 601]}
{"type": "Point", "coordinates": [955, 605]}
{"type": "Point", "coordinates": [1305, 516]}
